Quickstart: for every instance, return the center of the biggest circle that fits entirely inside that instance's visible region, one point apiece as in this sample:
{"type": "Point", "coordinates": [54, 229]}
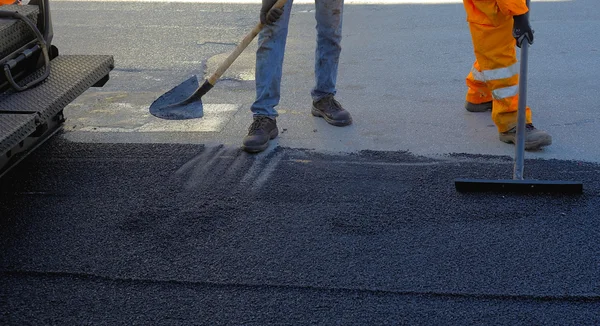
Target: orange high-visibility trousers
{"type": "Point", "coordinates": [7, 2]}
{"type": "Point", "coordinates": [495, 73]}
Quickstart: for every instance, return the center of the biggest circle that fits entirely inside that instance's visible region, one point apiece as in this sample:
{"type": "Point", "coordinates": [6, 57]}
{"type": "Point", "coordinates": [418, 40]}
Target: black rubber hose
{"type": "Point", "coordinates": [41, 43]}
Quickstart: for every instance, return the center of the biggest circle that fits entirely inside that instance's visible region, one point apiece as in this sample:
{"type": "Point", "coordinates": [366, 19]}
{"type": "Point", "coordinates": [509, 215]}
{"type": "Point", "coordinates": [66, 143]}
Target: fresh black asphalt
{"type": "Point", "coordinates": [170, 234]}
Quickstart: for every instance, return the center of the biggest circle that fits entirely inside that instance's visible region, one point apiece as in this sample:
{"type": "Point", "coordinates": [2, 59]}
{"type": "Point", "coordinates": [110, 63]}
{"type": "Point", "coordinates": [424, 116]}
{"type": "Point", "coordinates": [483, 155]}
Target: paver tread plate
{"type": "Point", "coordinates": [70, 76]}
{"type": "Point", "coordinates": [14, 33]}
{"type": "Point", "coordinates": [14, 128]}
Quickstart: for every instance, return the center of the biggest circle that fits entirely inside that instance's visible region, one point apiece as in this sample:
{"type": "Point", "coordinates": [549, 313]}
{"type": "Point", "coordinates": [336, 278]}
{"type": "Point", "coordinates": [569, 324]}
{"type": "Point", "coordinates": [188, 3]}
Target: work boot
{"type": "Point", "coordinates": [483, 107]}
{"type": "Point", "coordinates": [260, 132]}
{"type": "Point", "coordinates": [534, 138]}
{"type": "Point", "coordinates": [332, 111]}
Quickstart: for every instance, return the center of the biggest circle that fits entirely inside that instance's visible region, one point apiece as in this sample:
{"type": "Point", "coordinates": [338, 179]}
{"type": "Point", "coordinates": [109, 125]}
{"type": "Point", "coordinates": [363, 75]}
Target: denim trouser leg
{"type": "Point", "coordinates": [269, 63]}
{"type": "Point", "coordinates": [329, 35]}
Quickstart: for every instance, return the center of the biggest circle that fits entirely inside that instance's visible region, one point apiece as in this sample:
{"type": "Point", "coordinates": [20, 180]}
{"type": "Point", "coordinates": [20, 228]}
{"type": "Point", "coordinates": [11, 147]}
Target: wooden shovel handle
{"type": "Point", "coordinates": [240, 48]}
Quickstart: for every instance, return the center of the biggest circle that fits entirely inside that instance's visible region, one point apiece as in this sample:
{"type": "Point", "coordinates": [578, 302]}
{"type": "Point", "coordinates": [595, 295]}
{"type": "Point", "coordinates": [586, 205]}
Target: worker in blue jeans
{"type": "Point", "coordinates": [269, 62]}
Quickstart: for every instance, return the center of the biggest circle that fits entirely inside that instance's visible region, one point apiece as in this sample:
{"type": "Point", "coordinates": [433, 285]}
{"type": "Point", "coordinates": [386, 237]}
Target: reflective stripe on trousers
{"type": "Point", "coordinates": [495, 73]}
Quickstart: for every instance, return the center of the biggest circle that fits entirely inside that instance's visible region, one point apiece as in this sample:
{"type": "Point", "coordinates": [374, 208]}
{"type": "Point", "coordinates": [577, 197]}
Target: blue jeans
{"type": "Point", "coordinates": [271, 48]}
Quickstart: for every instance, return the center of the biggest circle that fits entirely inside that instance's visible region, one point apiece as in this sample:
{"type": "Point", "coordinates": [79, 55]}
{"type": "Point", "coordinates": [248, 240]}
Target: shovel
{"type": "Point", "coordinates": [176, 104]}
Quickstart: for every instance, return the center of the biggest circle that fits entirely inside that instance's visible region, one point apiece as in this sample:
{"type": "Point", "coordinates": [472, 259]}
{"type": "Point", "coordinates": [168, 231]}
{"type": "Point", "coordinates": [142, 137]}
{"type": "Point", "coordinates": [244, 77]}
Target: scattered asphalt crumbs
{"type": "Point", "coordinates": [169, 234]}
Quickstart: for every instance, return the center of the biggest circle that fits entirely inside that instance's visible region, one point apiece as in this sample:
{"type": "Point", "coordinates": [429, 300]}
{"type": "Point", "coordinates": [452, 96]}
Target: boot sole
{"type": "Point", "coordinates": [483, 107]}
{"type": "Point", "coordinates": [338, 123]}
{"type": "Point", "coordinates": [531, 145]}
{"type": "Point", "coordinates": [260, 148]}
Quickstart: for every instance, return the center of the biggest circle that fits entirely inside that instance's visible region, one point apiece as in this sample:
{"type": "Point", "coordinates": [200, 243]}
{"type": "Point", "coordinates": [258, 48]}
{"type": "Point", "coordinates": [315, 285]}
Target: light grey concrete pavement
{"type": "Point", "coordinates": [401, 75]}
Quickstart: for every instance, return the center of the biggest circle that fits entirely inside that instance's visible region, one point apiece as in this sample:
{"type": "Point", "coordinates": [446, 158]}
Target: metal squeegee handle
{"type": "Point", "coordinates": [522, 108]}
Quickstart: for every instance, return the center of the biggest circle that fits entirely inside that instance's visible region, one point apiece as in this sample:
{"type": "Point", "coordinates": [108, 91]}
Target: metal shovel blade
{"type": "Point", "coordinates": [178, 104]}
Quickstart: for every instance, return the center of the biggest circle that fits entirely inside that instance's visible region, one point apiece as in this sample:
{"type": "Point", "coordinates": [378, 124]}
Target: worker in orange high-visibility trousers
{"type": "Point", "coordinates": [493, 84]}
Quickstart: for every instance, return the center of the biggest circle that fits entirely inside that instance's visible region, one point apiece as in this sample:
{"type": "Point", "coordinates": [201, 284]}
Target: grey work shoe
{"type": "Point", "coordinates": [534, 138]}
{"type": "Point", "coordinates": [332, 111]}
{"type": "Point", "coordinates": [260, 132]}
{"type": "Point", "coordinates": [482, 107]}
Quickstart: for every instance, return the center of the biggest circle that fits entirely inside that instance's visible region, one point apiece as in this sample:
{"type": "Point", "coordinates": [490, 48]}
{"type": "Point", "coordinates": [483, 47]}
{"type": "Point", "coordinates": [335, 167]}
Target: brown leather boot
{"type": "Point", "coordinates": [534, 138]}
{"type": "Point", "coordinates": [260, 132]}
{"type": "Point", "coordinates": [482, 107]}
{"type": "Point", "coordinates": [332, 111]}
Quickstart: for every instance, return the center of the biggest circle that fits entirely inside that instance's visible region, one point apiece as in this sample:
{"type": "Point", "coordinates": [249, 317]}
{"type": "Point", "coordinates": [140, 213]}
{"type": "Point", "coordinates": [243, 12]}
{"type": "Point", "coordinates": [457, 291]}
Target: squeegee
{"type": "Point", "coordinates": [518, 183]}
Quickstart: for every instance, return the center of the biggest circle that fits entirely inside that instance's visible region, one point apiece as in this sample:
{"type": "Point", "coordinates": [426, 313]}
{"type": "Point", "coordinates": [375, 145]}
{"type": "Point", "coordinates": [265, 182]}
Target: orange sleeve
{"type": "Point", "coordinates": [512, 7]}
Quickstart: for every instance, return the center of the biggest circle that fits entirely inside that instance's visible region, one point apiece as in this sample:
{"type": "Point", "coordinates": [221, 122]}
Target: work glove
{"type": "Point", "coordinates": [522, 30]}
{"type": "Point", "coordinates": [268, 14]}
